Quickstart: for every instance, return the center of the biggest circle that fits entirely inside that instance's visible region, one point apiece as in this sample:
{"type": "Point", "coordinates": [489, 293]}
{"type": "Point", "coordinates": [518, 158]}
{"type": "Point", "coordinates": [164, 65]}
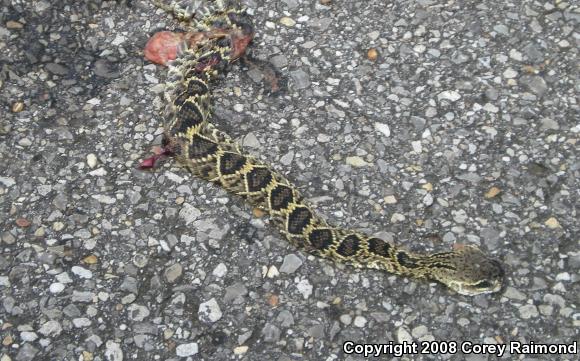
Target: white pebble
{"type": "Point", "coordinates": [451, 95]}
{"type": "Point", "coordinates": [209, 311]}
{"type": "Point", "coordinates": [220, 270]}
{"type": "Point", "coordinates": [360, 321]}
{"type": "Point", "coordinates": [56, 287]}
{"type": "Point", "coordinates": [272, 272]}
{"type": "Point", "coordinates": [397, 217]}
{"type": "Point", "coordinates": [428, 199]}
{"type": "Point", "coordinates": [417, 146]}
{"type": "Point", "coordinates": [82, 272]}
{"type": "Point", "coordinates": [564, 276]}
{"type": "Point", "coordinates": [403, 335]}
{"type": "Point", "coordinates": [510, 73]}
{"type": "Point", "coordinates": [91, 160]}
{"type": "Point", "coordinates": [383, 128]}
{"type": "Point", "coordinates": [346, 319]}
{"type": "Point", "coordinates": [240, 350]}
{"type": "Point", "coordinates": [28, 336]}
{"type": "Point", "coordinates": [187, 349]}
{"type": "Point", "coordinates": [305, 288]}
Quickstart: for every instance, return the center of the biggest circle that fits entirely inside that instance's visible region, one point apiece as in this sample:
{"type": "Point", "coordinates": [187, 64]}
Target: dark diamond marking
{"type": "Point", "coordinates": [298, 220]}
{"type": "Point", "coordinates": [180, 99]}
{"type": "Point", "coordinates": [349, 246]}
{"type": "Point", "coordinates": [258, 178]}
{"type": "Point", "coordinates": [230, 163]}
{"type": "Point", "coordinates": [201, 147]}
{"type": "Point", "coordinates": [189, 115]}
{"type": "Point", "coordinates": [379, 247]}
{"type": "Point", "coordinates": [280, 197]}
{"type": "Point", "coordinates": [320, 239]}
{"type": "Point", "coordinates": [405, 260]}
{"type": "Point", "coordinates": [196, 87]}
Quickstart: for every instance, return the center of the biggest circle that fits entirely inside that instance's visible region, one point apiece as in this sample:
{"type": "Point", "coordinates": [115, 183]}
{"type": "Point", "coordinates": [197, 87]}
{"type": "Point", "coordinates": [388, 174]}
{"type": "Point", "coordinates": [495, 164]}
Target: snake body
{"type": "Point", "coordinates": [214, 156]}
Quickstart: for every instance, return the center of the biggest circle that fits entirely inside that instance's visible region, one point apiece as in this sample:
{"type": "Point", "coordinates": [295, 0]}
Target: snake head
{"type": "Point", "coordinates": [466, 270]}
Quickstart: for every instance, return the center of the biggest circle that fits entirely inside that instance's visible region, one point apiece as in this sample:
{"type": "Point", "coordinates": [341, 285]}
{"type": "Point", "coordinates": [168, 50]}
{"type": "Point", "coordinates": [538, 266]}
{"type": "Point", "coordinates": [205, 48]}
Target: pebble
{"type": "Point", "coordinates": [80, 296]}
{"type": "Point", "coordinates": [403, 335]}
{"type": "Point", "coordinates": [383, 128]}
{"type": "Point", "coordinates": [450, 95]}
{"type": "Point", "coordinates": [360, 321]}
{"type": "Point", "coordinates": [417, 146]}
{"type": "Point", "coordinates": [492, 192]}
{"type": "Point", "coordinates": [346, 319]}
{"type": "Point", "coordinates": [63, 278]}
{"type": "Point", "coordinates": [300, 78]}
{"type": "Point", "coordinates": [279, 61]}
{"type": "Point", "coordinates": [240, 350]}
{"type": "Point", "coordinates": [272, 272]}
{"type": "Point", "coordinates": [374, 35]}
{"type": "Point", "coordinates": [113, 351]}
{"type": "Point", "coordinates": [56, 288]}
{"type": "Point", "coordinates": [291, 263]}
{"type": "Point", "coordinates": [420, 332]}
{"type": "Point", "coordinates": [549, 123]}
{"type": "Point", "coordinates": [286, 21]}
{"type": "Point", "coordinates": [510, 73]}
{"type": "Point", "coordinates": [305, 288]}
{"type": "Point", "coordinates": [397, 217]}
{"type": "Point", "coordinates": [528, 311]}
{"type": "Point", "coordinates": [50, 328]}
{"type": "Point", "coordinates": [105, 69]}
{"type": "Point", "coordinates": [287, 158]}
{"type": "Point", "coordinates": [251, 141]}
{"type": "Point", "coordinates": [25, 142]}
{"type": "Point", "coordinates": [27, 352]}
{"type": "Point", "coordinates": [271, 333]}
{"type": "Point", "coordinates": [173, 272]}
{"type": "Point", "coordinates": [11, 24]}
{"type": "Point", "coordinates": [189, 213]}
{"type": "Point", "coordinates": [356, 161]}
{"type": "Point", "coordinates": [459, 216]}
{"type": "Point", "coordinates": [82, 272]}
{"type": "Point", "coordinates": [390, 199]}
{"type": "Point", "coordinates": [28, 336]}
{"type": "Point", "coordinates": [285, 318]}
{"type": "Point", "coordinates": [209, 311]}
{"type": "Point", "coordinates": [553, 223]}
{"type": "Point", "coordinates": [91, 160]}
{"type": "Point", "coordinates": [372, 54]}
{"type": "Point", "coordinates": [57, 69]}
{"type": "Point", "coordinates": [137, 313]}
{"type": "Point", "coordinates": [17, 107]}
{"type": "Point", "coordinates": [514, 294]}
{"type": "Point", "coordinates": [536, 84]}
{"type": "Point", "coordinates": [7, 181]}
{"type": "Point", "coordinates": [81, 322]}
{"type": "Point", "coordinates": [234, 291]}
{"type": "Point", "coordinates": [187, 349]}
{"type": "Point", "coordinates": [220, 270]}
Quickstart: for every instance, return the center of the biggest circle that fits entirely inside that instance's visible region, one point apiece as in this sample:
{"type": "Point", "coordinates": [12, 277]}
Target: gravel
{"type": "Point", "coordinates": [464, 129]}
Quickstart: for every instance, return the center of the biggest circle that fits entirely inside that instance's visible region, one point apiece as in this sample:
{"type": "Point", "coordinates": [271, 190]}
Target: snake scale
{"type": "Point", "coordinates": [204, 53]}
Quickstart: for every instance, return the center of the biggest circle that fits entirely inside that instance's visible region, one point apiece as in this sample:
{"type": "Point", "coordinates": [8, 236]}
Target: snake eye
{"type": "Point", "coordinates": [483, 284]}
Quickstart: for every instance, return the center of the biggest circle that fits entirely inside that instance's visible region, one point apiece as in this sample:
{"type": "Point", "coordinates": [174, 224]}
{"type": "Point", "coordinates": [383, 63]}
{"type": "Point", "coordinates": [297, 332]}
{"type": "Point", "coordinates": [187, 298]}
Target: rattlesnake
{"type": "Point", "coordinates": [206, 51]}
